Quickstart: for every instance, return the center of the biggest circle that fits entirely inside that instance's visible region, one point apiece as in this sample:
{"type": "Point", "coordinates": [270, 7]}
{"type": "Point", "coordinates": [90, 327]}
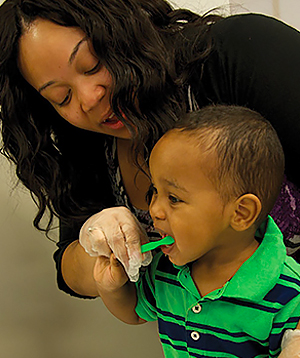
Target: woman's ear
{"type": "Point", "coordinates": [247, 210]}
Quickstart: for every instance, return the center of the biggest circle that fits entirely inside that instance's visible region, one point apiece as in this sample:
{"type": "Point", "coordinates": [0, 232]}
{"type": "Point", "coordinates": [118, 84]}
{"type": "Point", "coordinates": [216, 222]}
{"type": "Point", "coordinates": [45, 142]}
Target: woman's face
{"type": "Point", "coordinates": [60, 64]}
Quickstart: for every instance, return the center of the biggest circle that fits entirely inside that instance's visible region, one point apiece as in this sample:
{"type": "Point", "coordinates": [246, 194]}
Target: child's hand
{"type": "Point", "coordinates": [109, 274]}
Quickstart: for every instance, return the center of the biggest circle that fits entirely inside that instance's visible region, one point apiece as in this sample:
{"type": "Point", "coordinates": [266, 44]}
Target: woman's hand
{"type": "Point", "coordinates": [116, 230]}
{"type": "Point", "coordinates": [291, 343]}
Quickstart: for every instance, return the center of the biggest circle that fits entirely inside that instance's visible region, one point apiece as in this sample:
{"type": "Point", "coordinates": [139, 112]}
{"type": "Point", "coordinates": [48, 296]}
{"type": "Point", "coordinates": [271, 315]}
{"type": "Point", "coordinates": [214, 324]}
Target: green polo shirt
{"type": "Point", "coordinates": [245, 318]}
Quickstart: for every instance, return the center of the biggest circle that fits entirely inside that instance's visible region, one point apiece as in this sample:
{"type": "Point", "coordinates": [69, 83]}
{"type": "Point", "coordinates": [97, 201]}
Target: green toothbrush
{"type": "Point", "coordinates": [168, 240]}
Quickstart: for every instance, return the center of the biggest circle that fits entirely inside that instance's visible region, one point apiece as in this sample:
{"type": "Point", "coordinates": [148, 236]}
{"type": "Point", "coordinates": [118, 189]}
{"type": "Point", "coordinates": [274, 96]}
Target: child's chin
{"type": "Point", "coordinates": [177, 262]}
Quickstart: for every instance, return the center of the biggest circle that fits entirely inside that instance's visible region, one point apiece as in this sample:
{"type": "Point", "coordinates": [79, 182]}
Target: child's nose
{"type": "Point", "coordinates": [156, 210]}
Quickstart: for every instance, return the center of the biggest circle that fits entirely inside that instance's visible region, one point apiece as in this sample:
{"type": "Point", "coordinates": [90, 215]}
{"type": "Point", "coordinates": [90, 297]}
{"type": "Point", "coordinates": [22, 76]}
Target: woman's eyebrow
{"type": "Point", "coordinates": [71, 59]}
{"type": "Point", "coordinates": [75, 50]}
{"type": "Point", "coordinates": [45, 86]}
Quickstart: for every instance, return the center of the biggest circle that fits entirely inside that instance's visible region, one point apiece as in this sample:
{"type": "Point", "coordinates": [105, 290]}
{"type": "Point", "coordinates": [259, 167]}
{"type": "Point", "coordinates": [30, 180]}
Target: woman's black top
{"type": "Point", "coordinates": [255, 62]}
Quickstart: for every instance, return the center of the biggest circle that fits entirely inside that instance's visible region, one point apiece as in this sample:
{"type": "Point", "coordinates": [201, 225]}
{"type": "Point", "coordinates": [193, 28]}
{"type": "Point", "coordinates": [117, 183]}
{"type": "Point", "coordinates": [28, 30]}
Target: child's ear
{"type": "Point", "coordinates": [247, 209]}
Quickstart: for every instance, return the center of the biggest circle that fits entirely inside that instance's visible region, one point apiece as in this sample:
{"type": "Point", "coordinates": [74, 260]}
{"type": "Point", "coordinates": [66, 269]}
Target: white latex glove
{"type": "Point", "coordinates": [116, 230]}
{"type": "Point", "coordinates": [290, 344]}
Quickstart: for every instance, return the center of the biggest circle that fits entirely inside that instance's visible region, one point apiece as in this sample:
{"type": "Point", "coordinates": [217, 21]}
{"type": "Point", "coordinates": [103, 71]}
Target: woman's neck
{"type": "Point", "coordinates": [136, 182]}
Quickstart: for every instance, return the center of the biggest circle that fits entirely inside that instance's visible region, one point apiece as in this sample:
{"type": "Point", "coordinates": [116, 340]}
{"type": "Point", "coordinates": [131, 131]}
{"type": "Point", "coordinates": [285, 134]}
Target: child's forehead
{"type": "Point", "coordinates": [178, 140]}
{"type": "Point", "coordinates": [183, 148]}
{"type": "Point", "coordinates": [173, 143]}
{"type": "Point", "coordinates": [176, 145]}
{"type": "Point", "coordinates": [178, 135]}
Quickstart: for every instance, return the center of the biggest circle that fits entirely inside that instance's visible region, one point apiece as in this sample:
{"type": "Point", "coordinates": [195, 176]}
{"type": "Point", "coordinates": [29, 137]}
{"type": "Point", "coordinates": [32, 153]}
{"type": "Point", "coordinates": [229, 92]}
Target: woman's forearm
{"type": "Point", "coordinates": [78, 273]}
{"type": "Point", "coordinates": [77, 270]}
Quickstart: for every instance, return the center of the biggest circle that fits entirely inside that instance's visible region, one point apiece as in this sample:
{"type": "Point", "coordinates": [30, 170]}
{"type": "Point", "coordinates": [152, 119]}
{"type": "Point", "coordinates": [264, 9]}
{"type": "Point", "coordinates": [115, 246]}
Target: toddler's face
{"type": "Point", "coordinates": [185, 204]}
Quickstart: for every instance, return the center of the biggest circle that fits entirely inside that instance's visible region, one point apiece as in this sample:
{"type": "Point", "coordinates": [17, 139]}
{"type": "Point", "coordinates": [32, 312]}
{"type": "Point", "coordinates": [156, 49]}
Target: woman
{"type": "Point", "coordinates": [87, 88]}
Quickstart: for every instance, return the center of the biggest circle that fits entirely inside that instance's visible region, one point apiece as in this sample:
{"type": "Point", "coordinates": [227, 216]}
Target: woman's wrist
{"type": "Point", "coordinates": [77, 270]}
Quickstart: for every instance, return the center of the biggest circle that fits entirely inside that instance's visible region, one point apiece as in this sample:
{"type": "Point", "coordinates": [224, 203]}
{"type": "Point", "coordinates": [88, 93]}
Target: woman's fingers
{"type": "Point", "coordinates": [116, 230]}
{"type": "Point", "coordinates": [93, 240]}
{"type": "Point", "coordinates": [133, 235]}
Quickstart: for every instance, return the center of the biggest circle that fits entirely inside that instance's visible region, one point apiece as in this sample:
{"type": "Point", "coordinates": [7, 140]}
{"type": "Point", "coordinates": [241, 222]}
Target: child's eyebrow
{"type": "Point", "coordinates": [174, 184]}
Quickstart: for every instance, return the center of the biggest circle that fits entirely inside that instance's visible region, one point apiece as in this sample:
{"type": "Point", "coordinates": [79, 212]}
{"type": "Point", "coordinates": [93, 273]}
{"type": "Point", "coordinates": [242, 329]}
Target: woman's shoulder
{"type": "Point", "coordinates": [250, 22]}
{"type": "Point", "coordinates": [250, 27]}
{"type": "Point", "coordinates": [255, 63]}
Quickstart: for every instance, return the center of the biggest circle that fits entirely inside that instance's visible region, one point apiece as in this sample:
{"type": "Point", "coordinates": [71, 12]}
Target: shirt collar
{"type": "Point", "coordinates": [260, 272]}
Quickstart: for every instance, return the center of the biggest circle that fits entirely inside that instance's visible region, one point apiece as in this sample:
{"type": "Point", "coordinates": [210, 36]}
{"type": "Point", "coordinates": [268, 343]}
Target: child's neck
{"type": "Point", "coordinates": [213, 270]}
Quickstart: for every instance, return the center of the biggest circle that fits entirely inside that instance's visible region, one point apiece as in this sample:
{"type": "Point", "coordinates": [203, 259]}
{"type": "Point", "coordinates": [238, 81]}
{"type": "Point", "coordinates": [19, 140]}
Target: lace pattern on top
{"type": "Point", "coordinates": [119, 191]}
{"type": "Point", "coordinates": [286, 214]}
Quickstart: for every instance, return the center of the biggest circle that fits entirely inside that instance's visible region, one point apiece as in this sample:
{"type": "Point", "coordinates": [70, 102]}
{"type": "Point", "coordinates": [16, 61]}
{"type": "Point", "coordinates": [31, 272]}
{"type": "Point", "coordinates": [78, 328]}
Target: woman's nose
{"type": "Point", "coordinates": [90, 97]}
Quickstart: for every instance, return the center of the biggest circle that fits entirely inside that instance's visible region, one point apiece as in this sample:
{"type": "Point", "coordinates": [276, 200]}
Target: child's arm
{"type": "Point", "coordinates": [116, 291]}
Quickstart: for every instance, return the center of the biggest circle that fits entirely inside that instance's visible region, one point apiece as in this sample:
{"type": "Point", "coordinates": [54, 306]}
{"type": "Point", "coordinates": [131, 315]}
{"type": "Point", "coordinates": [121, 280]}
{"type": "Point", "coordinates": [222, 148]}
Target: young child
{"type": "Point", "coordinates": [226, 287]}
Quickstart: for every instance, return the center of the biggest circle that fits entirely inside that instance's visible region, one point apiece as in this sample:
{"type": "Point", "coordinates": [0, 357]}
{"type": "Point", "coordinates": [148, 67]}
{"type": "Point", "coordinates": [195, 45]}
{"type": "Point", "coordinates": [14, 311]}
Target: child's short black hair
{"type": "Point", "coordinates": [248, 154]}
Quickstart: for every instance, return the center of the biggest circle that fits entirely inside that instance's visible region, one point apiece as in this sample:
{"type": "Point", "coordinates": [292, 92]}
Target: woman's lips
{"type": "Point", "coordinates": [113, 122]}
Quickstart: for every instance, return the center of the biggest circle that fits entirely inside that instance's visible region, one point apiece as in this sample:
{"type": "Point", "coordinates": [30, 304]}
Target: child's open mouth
{"type": "Point", "coordinates": [168, 247]}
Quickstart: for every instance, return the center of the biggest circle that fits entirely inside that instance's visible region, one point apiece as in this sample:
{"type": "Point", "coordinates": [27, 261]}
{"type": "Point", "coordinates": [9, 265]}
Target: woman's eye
{"type": "Point", "coordinates": [94, 70]}
{"type": "Point", "coordinates": [66, 99]}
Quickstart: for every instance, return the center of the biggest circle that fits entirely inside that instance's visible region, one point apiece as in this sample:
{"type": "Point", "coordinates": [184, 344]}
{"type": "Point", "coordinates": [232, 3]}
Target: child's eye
{"type": "Point", "coordinates": [174, 200]}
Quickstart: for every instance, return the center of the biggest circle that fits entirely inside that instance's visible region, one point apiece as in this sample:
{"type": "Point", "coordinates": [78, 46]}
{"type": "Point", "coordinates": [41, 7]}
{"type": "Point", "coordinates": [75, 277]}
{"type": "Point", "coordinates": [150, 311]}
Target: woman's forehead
{"type": "Point", "coordinates": [44, 48]}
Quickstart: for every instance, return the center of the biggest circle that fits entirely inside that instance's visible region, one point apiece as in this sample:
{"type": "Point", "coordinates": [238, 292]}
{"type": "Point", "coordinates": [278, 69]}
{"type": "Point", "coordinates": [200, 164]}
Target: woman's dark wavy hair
{"type": "Point", "coordinates": [142, 44]}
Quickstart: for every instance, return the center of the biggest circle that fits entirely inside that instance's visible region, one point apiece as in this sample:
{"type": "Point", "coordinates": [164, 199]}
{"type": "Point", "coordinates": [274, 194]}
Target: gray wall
{"type": "Point", "coordinates": [36, 319]}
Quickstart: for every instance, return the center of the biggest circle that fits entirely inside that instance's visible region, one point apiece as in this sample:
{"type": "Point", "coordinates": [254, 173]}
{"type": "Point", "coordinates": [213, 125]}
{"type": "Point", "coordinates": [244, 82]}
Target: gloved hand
{"type": "Point", "coordinates": [290, 344]}
{"type": "Point", "coordinates": [116, 230]}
